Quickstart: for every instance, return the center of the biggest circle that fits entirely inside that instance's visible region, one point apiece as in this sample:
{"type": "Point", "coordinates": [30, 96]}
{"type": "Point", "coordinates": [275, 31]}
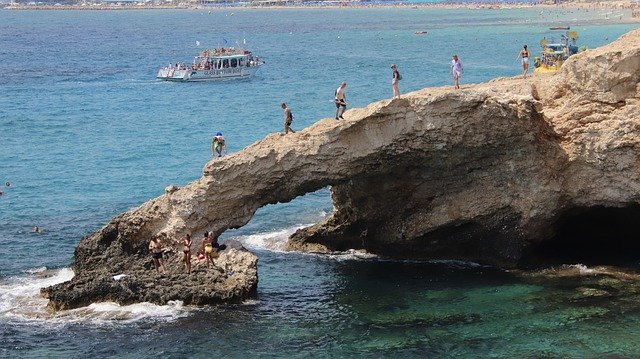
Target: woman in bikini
{"type": "Point", "coordinates": [524, 54]}
{"type": "Point", "coordinates": [207, 248]}
{"type": "Point", "coordinates": [186, 249]}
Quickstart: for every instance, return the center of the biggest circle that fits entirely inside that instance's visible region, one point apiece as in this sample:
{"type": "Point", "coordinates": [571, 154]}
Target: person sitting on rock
{"type": "Point", "coordinates": [155, 247]}
{"type": "Point", "coordinates": [186, 250]}
{"type": "Point", "coordinates": [207, 248]}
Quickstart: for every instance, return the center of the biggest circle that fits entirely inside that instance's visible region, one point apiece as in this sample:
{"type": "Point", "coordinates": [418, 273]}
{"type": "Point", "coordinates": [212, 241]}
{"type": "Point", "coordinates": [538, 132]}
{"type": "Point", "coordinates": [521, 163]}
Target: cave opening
{"type": "Point", "coordinates": [592, 236]}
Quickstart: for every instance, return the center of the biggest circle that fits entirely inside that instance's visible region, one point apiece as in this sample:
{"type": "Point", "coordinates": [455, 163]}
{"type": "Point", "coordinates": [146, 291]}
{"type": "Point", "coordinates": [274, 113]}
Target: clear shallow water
{"type": "Point", "coordinates": [86, 132]}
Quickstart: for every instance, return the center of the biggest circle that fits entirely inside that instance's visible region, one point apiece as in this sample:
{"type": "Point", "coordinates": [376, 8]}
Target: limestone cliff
{"type": "Point", "coordinates": [481, 173]}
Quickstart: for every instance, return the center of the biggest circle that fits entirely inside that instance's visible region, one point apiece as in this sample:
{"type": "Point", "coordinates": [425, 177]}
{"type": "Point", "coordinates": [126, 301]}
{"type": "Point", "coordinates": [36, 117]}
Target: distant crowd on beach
{"type": "Point", "coordinates": [141, 5]}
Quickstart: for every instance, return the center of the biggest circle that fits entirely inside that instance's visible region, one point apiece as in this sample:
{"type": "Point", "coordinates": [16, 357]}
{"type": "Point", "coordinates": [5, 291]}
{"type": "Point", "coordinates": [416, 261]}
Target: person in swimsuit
{"type": "Point", "coordinates": [207, 248]}
{"type": "Point", "coordinates": [456, 70]}
{"type": "Point", "coordinates": [217, 144]}
{"type": "Point", "coordinates": [341, 100]}
{"type": "Point", "coordinates": [394, 81]}
{"type": "Point", "coordinates": [155, 247]}
{"type": "Point", "coordinates": [524, 54]}
{"type": "Point", "coordinates": [288, 118]}
{"type": "Point", "coordinates": [186, 249]}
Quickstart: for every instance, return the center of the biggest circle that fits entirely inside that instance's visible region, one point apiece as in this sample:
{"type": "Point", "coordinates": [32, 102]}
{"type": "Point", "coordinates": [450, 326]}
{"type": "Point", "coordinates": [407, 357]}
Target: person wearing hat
{"type": "Point", "coordinates": [217, 143]}
{"type": "Point", "coordinates": [394, 81]}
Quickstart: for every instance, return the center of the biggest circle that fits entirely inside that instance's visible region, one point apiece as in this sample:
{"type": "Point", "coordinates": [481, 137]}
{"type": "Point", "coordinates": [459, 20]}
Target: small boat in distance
{"type": "Point", "coordinates": [554, 54]}
{"type": "Point", "coordinates": [560, 28]}
{"type": "Point", "coordinates": [420, 32]}
{"type": "Point", "coordinates": [214, 64]}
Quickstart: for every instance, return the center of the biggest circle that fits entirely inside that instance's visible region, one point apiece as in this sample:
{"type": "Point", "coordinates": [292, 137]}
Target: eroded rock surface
{"type": "Point", "coordinates": [479, 174]}
{"type": "Point", "coordinates": [233, 278]}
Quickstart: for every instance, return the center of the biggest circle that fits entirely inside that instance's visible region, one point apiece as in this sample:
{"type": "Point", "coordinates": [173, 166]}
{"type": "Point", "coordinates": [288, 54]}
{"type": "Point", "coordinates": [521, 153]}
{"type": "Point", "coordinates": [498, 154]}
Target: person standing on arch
{"type": "Point", "coordinates": [524, 54]}
{"type": "Point", "coordinates": [341, 100]}
{"type": "Point", "coordinates": [394, 81]}
{"type": "Point", "coordinates": [288, 118]}
{"type": "Point", "coordinates": [217, 144]}
{"type": "Point", "coordinates": [456, 70]}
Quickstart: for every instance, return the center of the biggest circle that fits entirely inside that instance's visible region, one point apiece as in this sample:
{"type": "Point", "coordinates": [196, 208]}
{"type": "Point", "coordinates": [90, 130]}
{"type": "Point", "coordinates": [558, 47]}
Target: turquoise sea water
{"type": "Point", "coordinates": [86, 132]}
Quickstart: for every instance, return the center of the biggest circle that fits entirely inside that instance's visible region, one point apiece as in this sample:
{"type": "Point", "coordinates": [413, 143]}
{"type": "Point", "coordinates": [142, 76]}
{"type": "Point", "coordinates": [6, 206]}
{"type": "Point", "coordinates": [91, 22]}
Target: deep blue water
{"type": "Point", "coordinates": [86, 132]}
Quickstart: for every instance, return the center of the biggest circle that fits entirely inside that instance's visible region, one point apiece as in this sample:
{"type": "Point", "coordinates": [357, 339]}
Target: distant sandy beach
{"type": "Point", "coordinates": [633, 9]}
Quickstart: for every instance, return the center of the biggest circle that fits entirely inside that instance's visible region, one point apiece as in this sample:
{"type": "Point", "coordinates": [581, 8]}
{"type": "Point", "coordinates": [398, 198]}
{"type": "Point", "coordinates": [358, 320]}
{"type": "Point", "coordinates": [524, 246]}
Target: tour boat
{"type": "Point", "coordinates": [559, 28]}
{"type": "Point", "coordinates": [554, 54]}
{"type": "Point", "coordinates": [214, 64]}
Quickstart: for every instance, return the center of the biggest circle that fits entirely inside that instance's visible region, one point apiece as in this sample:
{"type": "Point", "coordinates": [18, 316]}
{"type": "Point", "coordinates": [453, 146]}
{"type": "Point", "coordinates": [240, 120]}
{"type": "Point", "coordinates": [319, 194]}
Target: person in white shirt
{"type": "Point", "coordinates": [456, 70]}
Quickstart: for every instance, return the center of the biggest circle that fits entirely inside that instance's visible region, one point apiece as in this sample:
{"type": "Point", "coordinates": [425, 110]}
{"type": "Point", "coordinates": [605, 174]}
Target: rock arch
{"type": "Point", "coordinates": [480, 173]}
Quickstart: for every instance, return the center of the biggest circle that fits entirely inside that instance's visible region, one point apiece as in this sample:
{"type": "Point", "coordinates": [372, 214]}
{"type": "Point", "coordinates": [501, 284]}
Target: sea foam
{"type": "Point", "coordinates": [20, 301]}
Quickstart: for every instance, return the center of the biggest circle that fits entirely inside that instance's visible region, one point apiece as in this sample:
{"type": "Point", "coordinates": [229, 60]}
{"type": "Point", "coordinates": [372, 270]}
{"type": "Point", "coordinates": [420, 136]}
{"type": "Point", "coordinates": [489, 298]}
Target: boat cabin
{"type": "Point", "coordinates": [218, 59]}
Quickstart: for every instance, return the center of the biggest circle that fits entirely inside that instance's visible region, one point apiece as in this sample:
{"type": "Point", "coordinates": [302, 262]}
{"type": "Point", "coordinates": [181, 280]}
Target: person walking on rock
{"type": "Point", "coordinates": [288, 118]}
{"type": "Point", "coordinates": [341, 100]}
{"type": "Point", "coordinates": [456, 70]}
{"type": "Point", "coordinates": [394, 81]}
{"type": "Point", "coordinates": [155, 247]}
{"type": "Point", "coordinates": [217, 144]}
{"type": "Point", "coordinates": [524, 54]}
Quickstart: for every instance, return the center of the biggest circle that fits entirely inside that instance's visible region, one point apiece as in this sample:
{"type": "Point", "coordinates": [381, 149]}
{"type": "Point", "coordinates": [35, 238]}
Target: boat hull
{"type": "Point", "coordinates": [188, 75]}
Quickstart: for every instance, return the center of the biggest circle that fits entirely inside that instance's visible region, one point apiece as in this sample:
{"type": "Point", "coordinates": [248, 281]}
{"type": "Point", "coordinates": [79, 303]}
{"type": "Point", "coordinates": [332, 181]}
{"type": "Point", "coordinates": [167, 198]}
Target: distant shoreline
{"type": "Point", "coordinates": [332, 5]}
{"type": "Point", "coordinates": [632, 16]}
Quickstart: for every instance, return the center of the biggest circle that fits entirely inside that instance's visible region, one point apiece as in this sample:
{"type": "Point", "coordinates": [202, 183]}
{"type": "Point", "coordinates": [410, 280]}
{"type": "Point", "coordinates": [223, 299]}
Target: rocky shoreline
{"type": "Point", "coordinates": [234, 278]}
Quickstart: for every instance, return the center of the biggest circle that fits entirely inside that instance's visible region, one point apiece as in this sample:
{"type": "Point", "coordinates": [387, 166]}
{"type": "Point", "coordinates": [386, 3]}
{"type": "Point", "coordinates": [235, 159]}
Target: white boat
{"type": "Point", "coordinates": [214, 64]}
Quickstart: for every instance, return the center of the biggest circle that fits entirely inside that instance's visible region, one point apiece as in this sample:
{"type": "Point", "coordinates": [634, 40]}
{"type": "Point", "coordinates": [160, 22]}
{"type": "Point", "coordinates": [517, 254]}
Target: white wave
{"type": "Point", "coordinates": [20, 301]}
{"type": "Point", "coordinates": [35, 270]}
{"type": "Point", "coordinates": [110, 312]}
{"type": "Point", "coordinates": [273, 241]}
{"type": "Point", "coordinates": [20, 296]}
{"type": "Point", "coordinates": [582, 269]}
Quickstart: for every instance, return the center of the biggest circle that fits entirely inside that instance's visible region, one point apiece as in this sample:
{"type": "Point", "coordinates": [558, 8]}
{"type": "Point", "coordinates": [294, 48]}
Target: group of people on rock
{"type": "Point", "coordinates": [210, 251]}
{"type": "Point", "coordinates": [340, 98]}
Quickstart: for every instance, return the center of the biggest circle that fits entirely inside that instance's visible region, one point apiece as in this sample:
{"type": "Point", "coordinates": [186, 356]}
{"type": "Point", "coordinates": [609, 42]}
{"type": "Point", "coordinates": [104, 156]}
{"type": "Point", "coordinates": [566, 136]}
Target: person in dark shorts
{"type": "Point", "coordinates": [155, 247]}
{"type": "Point", "coordinates": [288, 118]}
{"type": "Point", "coordinates": [341, 100]}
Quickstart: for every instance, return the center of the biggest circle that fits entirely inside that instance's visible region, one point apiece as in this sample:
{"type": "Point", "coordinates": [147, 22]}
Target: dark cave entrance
{"type": "Point", "coordinates": [592, 236]}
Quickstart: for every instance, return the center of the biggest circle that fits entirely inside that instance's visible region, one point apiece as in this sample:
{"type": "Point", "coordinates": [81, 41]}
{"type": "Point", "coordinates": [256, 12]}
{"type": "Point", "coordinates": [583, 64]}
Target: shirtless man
{"type": "Point", "coordinates": [288, 118]}
{"type": "Point", "coordinates": [341, 100]}
{"type": "Point", "coordinates": [217, 144]}
{"type": "Point", "coordinates": [155, 247]}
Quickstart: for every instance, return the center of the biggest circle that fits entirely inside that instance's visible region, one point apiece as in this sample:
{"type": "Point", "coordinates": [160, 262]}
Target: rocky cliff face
{"type": "Point", "coordinates": [483, 173]}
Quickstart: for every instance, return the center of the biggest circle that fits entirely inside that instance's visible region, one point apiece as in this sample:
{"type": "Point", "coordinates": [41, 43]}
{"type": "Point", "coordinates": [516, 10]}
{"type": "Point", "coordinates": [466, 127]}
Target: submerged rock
{"type": "Point", "coordinates": [482, 174]}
